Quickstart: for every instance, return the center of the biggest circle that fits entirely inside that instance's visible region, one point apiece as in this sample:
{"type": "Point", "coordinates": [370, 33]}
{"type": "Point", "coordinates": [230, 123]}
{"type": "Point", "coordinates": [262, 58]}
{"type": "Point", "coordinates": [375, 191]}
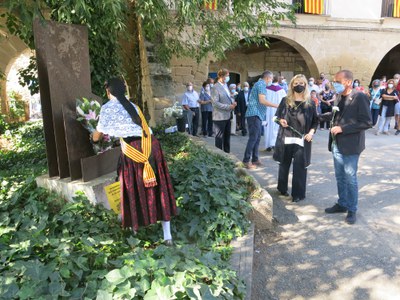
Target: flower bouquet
{"type": "Point", "coordinates": [176, 111]}
{"type": "Point", "coordinates": [88, 114]}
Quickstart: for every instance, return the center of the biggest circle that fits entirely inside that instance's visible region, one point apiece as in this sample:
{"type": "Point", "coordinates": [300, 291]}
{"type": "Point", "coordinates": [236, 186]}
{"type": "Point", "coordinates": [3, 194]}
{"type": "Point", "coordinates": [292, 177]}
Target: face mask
{"type": "Point", "coordinates": [322, 77]}
{"type": "Point", "coordinates": [227, 79]}
{"type": "Point", "coordinates": [299, 89]}
{"type": "Point", "coordinates": [269, 83]}
{"type": "Point", "coordinates": [327, 88]}
{"type": "Point", "coordinates": [246, 89]}
{"type": "Point", "coordinates": [390, 85]}
{"type": "Point", "coordinates": [211, 85]}
{"type": "Point", "coordinates": [239, 89]}
{"type": "Point", "coordinates": [207, 88]}
{"type": "Point", "coordinates": [233, 91]}
{"type": "Point", "coordinates": [311, 83]}
{"type": "Point", "coordinates": [355, 84]}
{"type": "Point", "coordinates": [376, 85]}
{"type": "Point", "coordinates": [339, 88]}
{"type": "Point", "coordinates": [384, 80]}
{"type": "Point", "coordinates": [190, 88]}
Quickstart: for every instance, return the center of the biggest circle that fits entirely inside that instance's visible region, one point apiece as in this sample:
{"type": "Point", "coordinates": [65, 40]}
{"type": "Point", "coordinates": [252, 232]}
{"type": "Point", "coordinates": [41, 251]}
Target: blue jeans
{"type": "Point", "coordinates": [254, 126]}
{"type": "Point", "coordinates": [346, 178]}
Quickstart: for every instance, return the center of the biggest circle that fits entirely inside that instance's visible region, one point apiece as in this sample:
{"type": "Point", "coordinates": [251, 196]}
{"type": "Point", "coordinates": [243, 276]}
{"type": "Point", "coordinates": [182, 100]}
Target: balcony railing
{"type": "Point", "coordinates": [387, 8]}
{"type": "Point", "coordinates": [316, 7]}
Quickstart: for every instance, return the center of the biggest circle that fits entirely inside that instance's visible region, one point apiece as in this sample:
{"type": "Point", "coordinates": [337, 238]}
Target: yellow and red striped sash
{"type": "Point", "coordinates": [149, 178]}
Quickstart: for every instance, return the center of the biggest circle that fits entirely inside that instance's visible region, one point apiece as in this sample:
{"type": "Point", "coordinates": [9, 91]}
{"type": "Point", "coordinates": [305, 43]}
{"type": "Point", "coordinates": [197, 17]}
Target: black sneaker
{"type": "Point", "coordinates": [397, 132]}
{"type": "Point", "coordinates": [351, 217]}
{"type": "Point", "coordinates": [336, 209]}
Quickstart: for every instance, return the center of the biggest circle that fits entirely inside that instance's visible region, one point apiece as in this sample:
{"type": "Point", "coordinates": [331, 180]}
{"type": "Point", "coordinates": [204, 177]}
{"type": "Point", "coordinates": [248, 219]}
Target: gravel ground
{"type": "Point", "coordinates": [311, 255]}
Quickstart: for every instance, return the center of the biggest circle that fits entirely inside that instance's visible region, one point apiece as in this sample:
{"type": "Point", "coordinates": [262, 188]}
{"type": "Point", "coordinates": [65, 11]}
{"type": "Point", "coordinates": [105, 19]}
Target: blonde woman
{"type": "Point", "coordinates": [298, 119]}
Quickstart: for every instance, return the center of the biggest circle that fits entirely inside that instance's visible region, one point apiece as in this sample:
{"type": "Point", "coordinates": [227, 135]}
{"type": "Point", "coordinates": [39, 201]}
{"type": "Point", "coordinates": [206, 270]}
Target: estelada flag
{"type": "Point", "coordinates": [396, 9]}
{"type": "Point", "coordinates": [315, 7]}
{"type": "Point", "coordinates": [210, 4]}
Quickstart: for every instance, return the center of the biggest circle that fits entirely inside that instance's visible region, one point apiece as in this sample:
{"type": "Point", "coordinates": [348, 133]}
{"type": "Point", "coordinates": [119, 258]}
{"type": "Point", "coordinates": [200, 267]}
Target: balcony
{"type": "Point", "coordinates": [315, 7]}
{"type": "Point", "coordinates": [390, 9]}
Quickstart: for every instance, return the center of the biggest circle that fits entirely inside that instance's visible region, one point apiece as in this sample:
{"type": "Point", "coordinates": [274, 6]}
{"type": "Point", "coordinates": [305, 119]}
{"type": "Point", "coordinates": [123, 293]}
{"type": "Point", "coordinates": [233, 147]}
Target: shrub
{"type": "Point", "coordinates": [75, 250]}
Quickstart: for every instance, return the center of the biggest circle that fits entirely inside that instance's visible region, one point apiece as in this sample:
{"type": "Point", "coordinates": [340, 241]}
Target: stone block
{"type": "Point", "coordinates": [182, 71]}
{"type": "Point", "coordinates": [66, 188]}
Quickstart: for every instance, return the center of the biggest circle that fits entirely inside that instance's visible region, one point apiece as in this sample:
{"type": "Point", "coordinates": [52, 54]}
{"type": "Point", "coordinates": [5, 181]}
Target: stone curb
{"type": "Point", "coordinates": [260, 217]}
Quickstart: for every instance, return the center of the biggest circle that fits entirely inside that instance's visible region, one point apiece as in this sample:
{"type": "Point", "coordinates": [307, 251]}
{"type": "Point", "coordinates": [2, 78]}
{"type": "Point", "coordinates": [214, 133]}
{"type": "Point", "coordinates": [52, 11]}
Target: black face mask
{"type": "Point", "coordinates": [299, 88]}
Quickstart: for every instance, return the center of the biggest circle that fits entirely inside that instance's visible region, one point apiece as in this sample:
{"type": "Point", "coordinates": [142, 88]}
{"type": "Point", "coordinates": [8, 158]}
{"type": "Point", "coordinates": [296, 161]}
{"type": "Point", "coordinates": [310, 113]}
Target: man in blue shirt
{"type": "Point", "coordinates": [256, 111]}
{"type": "Point", "coordinates": [190, 102]}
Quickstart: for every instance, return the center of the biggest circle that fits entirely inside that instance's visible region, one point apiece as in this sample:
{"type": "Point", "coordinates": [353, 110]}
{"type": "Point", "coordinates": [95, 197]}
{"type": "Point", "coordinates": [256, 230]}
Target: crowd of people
{"type": "Point", "coordinates": [288, 115]}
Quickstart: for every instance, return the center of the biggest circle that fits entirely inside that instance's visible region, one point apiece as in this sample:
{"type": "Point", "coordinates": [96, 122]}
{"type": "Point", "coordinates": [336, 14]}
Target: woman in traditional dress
{"type": "Point", "coordinates": [147, 195]}
{"type": "Point", "coordinates": [298, 119]}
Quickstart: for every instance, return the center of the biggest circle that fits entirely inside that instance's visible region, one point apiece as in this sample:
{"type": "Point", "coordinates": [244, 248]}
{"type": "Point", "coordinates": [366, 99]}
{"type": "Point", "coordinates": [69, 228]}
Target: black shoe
{"type": "Point", "coordinates": [297, 199]}
{"type": "Point", "coordinates": [351, 217]}
{"type": "Point", "coordinates": [283, 193]}
{"type": "Point", "coordinates": [397, 132]}
{"type": "Point", "coordinates": [336, 209]}
{"type": "Point", "coordinates": [269, 149]}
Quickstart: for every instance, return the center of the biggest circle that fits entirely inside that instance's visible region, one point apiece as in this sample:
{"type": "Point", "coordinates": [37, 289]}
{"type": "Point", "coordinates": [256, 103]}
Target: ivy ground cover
{"type": "Point", "coordinates": [52, 249]}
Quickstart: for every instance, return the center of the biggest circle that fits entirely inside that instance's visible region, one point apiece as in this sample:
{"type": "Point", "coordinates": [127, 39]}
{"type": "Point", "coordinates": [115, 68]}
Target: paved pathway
{"type": "Point", "coordinates": [311, 255]}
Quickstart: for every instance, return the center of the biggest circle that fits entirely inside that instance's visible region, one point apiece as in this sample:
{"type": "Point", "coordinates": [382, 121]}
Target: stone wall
{"type": "Point", "coordinates": [282, 60]}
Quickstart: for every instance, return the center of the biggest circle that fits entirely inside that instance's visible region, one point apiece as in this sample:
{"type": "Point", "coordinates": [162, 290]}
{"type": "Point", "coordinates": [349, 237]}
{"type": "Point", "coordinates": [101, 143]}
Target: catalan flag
{"type": "Point", "coordinates": [316, 7]}
{"type": "Point", "coordinates": [396, 9]}
{"type": "Point", "coordinates": [210, 4]}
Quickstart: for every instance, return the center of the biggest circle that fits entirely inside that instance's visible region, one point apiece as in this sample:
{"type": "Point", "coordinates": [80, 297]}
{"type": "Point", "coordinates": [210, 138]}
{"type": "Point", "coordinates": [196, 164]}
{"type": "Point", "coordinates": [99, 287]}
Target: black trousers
{"type": "Point", "coordinates": [223, 135]}
{"type": "Point", "coordinates": [243, 123]}
{"type": "Point", "coordinates": [195, 120]}
{"type": "Point", "coordinates": [296, 153]}
{"type": "Point", "coordinates": [206, 123]}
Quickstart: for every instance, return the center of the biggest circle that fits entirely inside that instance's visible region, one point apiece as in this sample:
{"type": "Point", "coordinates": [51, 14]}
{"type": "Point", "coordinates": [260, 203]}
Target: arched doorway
{"type": "Point", "coordinates": [282, 56]}
{"type": "Point", "coordinates": [389, 65]}
{"type": "Point", "coordinates": [21, 104]}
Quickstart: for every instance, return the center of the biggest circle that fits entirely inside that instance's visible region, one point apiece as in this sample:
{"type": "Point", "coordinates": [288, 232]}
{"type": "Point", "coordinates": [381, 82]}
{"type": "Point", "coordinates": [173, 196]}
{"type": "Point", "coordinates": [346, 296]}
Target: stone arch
{"type": "Point", "coordinates": [11, 47]}
{"type": "Point", "coordinates": [312, 66]}
{"type": "Point", "coordinates": [283, 54]}
{"type": "Point", "coordinates": [389, 64]}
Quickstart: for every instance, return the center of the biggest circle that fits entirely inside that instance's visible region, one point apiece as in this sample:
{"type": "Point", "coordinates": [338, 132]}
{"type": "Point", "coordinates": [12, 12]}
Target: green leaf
{"type": "Point", "coordinates": [115, 276]}
{"type": "Point", "coordinates": [104, 295]}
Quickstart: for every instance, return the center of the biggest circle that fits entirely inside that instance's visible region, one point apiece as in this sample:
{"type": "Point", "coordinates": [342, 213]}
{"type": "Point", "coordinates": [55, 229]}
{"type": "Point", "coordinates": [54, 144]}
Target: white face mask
{"type": "Point", "coordinates": [207, 88]}
{"type": "Point", "coordinates": [246, 88]}
{"type": "Point", "coordinates": [390, 85]}
{"type": "Point", "coordinates": [190, 88]}
{"type": "Point", "coordinates": [311, 83]}
{"type": "Point", "coordinates": [211, 85]}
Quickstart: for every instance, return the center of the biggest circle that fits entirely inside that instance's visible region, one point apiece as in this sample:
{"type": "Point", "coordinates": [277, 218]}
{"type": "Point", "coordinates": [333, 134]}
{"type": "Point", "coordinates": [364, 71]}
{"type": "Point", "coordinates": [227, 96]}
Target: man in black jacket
{"type": "Point", "coordinates": [242, 100]}
{"type": "Point", "coordinates": [350, 118]}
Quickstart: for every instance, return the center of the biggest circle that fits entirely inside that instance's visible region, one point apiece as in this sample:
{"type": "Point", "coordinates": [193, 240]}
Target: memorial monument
{"type": "Point", "coordinates": [64, 75]}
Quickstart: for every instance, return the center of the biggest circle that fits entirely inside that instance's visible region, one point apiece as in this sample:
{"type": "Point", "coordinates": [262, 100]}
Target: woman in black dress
{"type": "Point", "coordinates": [298, 119]}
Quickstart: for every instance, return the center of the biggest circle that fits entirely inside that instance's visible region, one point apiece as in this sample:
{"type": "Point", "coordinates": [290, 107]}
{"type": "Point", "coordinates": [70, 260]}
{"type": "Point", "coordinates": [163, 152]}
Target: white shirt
{"type": "Point", "coordinates": [115, 121]}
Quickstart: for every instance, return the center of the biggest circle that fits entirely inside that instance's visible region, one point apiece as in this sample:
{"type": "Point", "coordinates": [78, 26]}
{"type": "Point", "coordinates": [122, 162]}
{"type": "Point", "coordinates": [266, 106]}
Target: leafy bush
{"type": "Point", "coordinates": [16, 105]}
{"type": "Point", "coordinates": [211, 196]}
{"type": "Point", "coordinates": [3, 124]}
{"type": "Point", "coordinates": [50, 248]}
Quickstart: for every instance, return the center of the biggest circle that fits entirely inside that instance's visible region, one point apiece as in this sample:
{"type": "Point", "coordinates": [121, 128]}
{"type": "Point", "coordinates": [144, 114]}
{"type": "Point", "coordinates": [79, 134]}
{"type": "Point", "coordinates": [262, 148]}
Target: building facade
{"type": "Point", "coordinates": [329, 35]}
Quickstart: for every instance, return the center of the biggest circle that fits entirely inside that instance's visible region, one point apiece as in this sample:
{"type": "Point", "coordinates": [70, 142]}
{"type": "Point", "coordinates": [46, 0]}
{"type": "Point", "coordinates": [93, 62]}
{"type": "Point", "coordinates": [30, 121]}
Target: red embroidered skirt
{"type": "Point", "coordinates": [141, 206]}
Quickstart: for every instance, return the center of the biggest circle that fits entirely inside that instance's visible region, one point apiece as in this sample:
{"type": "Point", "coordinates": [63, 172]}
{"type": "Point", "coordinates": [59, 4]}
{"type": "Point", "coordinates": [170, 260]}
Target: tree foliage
{"type": "Point", "coordinates": [176, 28]}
